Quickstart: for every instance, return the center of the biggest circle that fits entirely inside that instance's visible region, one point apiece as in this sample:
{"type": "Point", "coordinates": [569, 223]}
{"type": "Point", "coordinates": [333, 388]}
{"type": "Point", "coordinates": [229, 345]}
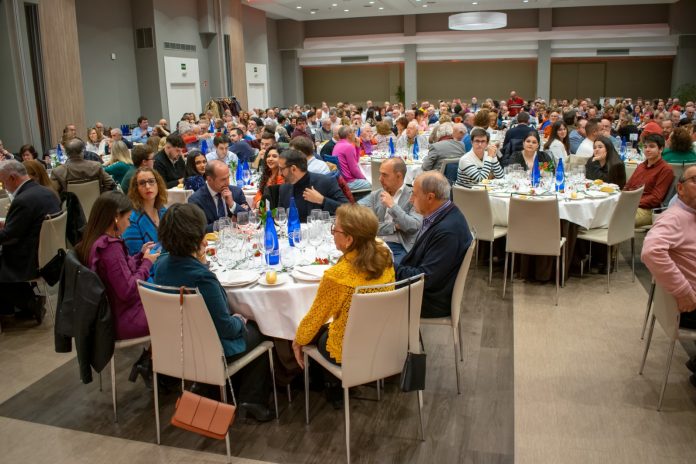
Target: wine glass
{"type": "Point", "coordinates": [316, 236]}
{"type": "Point", "coordinates": [243, 221]}
{"type": "Point", "coordinates": [299, 239]}
{"type": "Point", "coordinates": [281, 218]}
{"type": "Point", "coordinates": [254, 220]}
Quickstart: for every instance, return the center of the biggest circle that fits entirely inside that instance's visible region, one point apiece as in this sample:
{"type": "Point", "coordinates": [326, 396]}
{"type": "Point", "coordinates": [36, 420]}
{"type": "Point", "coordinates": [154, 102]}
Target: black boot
{"type": "Point", "coordinates": [142, 366]}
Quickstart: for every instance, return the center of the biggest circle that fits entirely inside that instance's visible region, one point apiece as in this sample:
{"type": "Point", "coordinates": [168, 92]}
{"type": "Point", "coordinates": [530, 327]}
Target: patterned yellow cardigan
{"type": "Point", "coordinates": [333, 301]}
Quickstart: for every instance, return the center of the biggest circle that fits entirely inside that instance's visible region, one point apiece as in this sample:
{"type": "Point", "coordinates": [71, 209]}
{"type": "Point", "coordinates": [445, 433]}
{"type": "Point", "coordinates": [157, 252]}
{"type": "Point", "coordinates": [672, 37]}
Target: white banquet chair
{"type": "Point", "coordinates": [87, 193]}
{"type": "Point", "coordinates": [453, 320]}
{"type": "Point", "coordinates": [666, 313]}
{"type": "Point", "coordinates": [51, 239]}
{"type": "Point", "coordinates": [374, 174]}
{"type": "Point", "coordinates": [176, 195]}
{"type": "Point", "coordinates": [476, 207]}
{"type": "Point", "coordinates": [378, 335]}
{"type": "Point", "coordinates": [534, 228]}
{"type": "Point", "coordinates": [204, 358]}
{"type": "Point", "coordinates": [621, 228]}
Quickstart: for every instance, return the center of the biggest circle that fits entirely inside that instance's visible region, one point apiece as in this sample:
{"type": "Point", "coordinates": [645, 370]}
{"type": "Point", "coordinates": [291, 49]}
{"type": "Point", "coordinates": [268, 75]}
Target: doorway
{"type": "Point", "coordinates": [183, 86]}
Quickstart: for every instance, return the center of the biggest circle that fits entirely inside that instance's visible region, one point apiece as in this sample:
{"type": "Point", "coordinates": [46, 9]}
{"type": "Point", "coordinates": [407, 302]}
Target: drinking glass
{"type": "Point", "coordinates": [316, 236]}
{"type": "Point", "coordinates": [300, 239]}
{"type": "Point", "coordinates": [281, 217]}
{"type": "Point", "coordinates": [315, 214]}
{"type": "Point", "coordinates": [254, 220]}
{"type": "Point", "coordinates": [243, 221]}
{"type": "Point", "coordinates": [287, 257]}
{"type": "Point", "coordinates": [246, 176]}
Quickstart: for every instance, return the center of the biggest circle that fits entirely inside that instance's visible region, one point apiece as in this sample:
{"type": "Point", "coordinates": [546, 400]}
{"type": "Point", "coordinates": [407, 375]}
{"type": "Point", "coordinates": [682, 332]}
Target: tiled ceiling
{"type": "Point", "coordinates": [307, 10]}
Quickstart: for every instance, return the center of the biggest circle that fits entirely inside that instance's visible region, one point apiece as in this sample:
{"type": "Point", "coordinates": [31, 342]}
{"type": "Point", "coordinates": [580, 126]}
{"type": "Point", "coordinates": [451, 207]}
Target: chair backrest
{"type": "Point", "coordinates": [203, 354]}
{"type": "Point", "coordinates": [374, 174]}
{"type": "Point", "coordinates": [534, 226]}
{"type": "Point", "coordinates": [177, 196]}
{"type": "Point", "coordinates": [4, 206]}
{"type": "Point", "coordinates": [52, 237]}
{"type": "Point", "coordinates": [333, 159]}
{"type": "Point", "coordinates": [475, 205]}
{"type": "Point", "coordinates": [449, 169]}
{"type": "Point", "coordinates": [375, 341]}
{"type": "Point", "coordinates": [623, 220]}
{"type": "Point", "coordinates": [666, 312]}
{"type": "Point", "coordinates": [460, 284]}
{"type": "Point", "coordinates": [87, 193]}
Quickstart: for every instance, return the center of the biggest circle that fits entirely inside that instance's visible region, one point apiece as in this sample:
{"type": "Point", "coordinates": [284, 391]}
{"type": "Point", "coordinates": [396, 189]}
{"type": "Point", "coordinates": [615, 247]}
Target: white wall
{"type": "Point", "coordinates": [110, 86]}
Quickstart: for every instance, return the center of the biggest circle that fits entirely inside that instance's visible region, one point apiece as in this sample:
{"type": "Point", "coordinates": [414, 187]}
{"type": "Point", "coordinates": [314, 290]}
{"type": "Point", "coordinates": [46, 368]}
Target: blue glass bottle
{"type": "Point", "coordinates": [293, 220]}
{"type": "Point", "coordinates": [59, 154]}
{"type": "Point", "coordinates": [415, 148]}
{"type": "Point", "coordinates": [270, 241]}
{"type": "Point", "coordinates": [391, 147]}
{"type": "Point", "coordinates": [204, 146]}
{"type": "Point", "coordinates": [239, 176]}
{"type": "Point", "coordinates": [622, 151]}
{"type": "Point", "coordinates": [536, 172]}
{"type": "Point", "coordinates": [560, 177]}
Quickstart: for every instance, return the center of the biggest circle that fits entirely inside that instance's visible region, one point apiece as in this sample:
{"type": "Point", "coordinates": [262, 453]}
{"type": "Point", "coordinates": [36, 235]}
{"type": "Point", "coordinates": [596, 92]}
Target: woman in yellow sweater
{"type": "Point", "coordinates": [365, 261]}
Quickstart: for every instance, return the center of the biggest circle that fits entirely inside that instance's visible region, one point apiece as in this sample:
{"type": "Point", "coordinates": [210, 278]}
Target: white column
{"type": "Point", "coordinates": [410, 74]}
{"type": "Point", "coordinates": [543, 89]}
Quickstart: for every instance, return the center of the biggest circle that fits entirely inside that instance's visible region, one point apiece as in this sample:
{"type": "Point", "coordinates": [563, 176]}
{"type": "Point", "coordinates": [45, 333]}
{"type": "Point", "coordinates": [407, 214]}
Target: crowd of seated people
{"type": "Point", "coordinates": [397, 231]}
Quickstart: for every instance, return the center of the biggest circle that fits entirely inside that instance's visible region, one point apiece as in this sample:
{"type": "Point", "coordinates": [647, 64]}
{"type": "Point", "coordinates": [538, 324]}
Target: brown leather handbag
{"type": "Point", "coordinates": [197, 413]}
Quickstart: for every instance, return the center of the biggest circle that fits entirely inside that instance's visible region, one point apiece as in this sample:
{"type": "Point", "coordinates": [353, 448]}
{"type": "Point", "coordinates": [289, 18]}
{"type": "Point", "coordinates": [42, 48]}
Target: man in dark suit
{"type": "Point", "coordinates": [170, 163]}
{"type": "Point", "coordinates": [19, 239]}
{"type": "Point", "coordinates": [241, 147]}
{"type": "Point", "coordinates": [218, 198]}
{"type": "Point", "coordinates": [515, 137]}
{"type": "Point", "coordinates": [440, 245]}
{"type": "Point", "coordinates": [310, 190]}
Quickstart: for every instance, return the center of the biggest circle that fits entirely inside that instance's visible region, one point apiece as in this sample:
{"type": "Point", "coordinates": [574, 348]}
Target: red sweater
{"type": "Point", "coordinates": [657, 180]}
{"type": "Point", "coordinates": [515, 105]}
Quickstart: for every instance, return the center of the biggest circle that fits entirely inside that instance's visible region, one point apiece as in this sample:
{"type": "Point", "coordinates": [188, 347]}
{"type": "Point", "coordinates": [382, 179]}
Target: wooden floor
{"type": "Point", "coordinates": [476, 426]}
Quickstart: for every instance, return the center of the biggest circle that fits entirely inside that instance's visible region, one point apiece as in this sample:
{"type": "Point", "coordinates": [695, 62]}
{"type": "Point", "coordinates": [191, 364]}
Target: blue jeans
{"type": "Point", "coordinates": [359, 184]}
{"type": "Point", "coordinates": [398, 251]}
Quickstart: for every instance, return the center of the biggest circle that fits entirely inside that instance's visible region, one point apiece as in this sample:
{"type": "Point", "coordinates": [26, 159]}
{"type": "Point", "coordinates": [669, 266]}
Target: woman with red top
{"type": "Point", "coordinates": [271, 174]}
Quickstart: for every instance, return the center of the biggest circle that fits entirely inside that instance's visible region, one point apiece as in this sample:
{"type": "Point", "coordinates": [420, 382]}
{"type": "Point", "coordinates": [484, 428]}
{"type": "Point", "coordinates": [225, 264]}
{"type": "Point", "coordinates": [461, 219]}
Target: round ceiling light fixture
{"type": "Point", "coordinates": [477, 21]}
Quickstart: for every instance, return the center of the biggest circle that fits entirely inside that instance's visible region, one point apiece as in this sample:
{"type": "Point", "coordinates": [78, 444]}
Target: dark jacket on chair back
{"type": "Point", "coordinates": [84, 314]}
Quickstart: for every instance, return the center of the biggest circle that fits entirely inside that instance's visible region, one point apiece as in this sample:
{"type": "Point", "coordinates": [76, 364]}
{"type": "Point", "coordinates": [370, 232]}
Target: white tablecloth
{"type": "Point", "coordinates": [278, 311]}
{"type": "Point", "coordinates": [412, 170]}
{"type": "Point", "coordinates": [587, 213]}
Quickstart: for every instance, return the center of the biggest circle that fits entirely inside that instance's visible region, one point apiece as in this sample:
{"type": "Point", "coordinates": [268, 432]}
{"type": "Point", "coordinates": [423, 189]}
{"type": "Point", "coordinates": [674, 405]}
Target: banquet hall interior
{"type": "Point", "coordinates": [545, 371]}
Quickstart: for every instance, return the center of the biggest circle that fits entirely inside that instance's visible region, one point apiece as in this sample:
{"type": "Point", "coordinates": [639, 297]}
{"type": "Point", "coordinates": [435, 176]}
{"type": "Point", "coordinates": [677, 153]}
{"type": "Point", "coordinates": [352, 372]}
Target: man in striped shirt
{"type": "Point", "coordinates": [480, 162]}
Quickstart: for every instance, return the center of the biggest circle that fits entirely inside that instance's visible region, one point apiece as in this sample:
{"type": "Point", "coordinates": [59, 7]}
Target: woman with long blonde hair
{"type": "Point", "coordinates": [120, 162]}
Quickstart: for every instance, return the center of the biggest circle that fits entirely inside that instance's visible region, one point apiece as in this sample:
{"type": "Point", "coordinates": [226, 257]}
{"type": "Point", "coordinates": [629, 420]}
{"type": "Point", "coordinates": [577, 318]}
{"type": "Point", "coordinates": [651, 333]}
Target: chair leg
{"type": "Point", "coordinates": [490, 264]}
{"type": "Point", "coordinates": [223, 395]}
{"type": "Point", "coordinates": [477, 248]}
{"type": "Point", "coordinates": [651, 294]}
{"type": "Point", "coordinates": [512, 267]}
{"type": "Point", "coordinates": [563, 264]}
{"type": "Point", "coordinates": [289, 390]}
{"type": "Point", "coordinates": [346, 411]}
{"type": "Point", "coordinates": [48, 300]}
{"type": "Point", "coordinates": [647, 345]}
{"type": "Point", "coordinates": [505, 273]}
{"type": "Point", "coordinates": [461, 345]}
{"type": "Point", "coordinates": [419, 398]}
{"type": "Point", "coordinates": [275, 393]}
{"type": "Point", "coordinates": [455, 339]}
{"type": "Point", "coordinates": [608, 265]}
{"type": "Point", "coordinates": [558, 259]}
{"type": "Point", "coordinates": [306, 387]}
{"type": "Point", "coordinates": [669, 364]}
{"type": "Point", "coordinates": [379, 394]}
{"type": "Point", "coordinates": [589, 258]}
{"type": "Point", "coordinates": [113, 386]}
{"type": "Point", "coordinates": [100, 383]}
{"type": "Point", "coordinates": [156, 393]}
{"type": "Point", "coordinates": [633, 259]}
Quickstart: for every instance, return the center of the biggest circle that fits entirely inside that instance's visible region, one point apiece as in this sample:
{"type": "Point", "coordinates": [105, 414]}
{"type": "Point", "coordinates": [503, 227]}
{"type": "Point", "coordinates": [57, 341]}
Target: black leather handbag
{"type": "Point", "coordinates": [413, 373]}
{"type": "Point", "coordinates": [51, 271]}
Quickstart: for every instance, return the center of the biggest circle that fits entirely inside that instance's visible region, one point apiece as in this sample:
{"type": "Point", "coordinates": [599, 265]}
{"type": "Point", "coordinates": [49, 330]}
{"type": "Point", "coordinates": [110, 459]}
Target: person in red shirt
{"type": "Point", "coordinates": [655, 175]}
{"type": "Point", "coordinates": [653, 126]}
{"type": "Point", "coordinates": [514, 104]}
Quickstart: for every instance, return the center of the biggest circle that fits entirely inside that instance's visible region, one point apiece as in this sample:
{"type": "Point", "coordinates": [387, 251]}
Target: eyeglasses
{"type": "Point", "coordinates": [334, 230]}
{"type": "Point", "coordinates": [144, 182]}
{"type": "Point", "coordinates": [479, 142]}
{"type": "Point", "coordinates": [691, 179]}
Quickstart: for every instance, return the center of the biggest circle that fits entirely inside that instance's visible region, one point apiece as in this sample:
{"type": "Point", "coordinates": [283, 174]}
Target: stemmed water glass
{"type": "Point", "coordinates": [316, 236]}
{"type": "Point", "coordinates": [254, 220]}
{"type": "Point", "coordinates": [300, 239]}
{"type": "Point", "coordinates": [281, 218]}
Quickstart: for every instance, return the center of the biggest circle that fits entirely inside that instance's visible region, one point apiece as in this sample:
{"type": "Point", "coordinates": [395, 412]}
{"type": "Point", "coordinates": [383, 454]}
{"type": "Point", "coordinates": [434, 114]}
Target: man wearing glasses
{"type": "Point", "coordinates": [218, 198]}
{"type": "Point", "coordinates": [669, 252]}
{"type": "Point", "coordinates": [142, 156]}
{"type": "Point", "coordinates": [481, 162]}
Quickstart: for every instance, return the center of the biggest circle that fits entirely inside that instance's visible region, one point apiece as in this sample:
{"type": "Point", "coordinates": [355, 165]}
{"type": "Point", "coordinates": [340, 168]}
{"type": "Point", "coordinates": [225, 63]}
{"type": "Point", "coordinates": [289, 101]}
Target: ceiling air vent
{"type": "Point", "coordinates": [179, 46]}
{"type": "Point", "coordinates": [613, 51]}
{"type": "Point", "coordinates": [355, 59]}
{"type": "Point", "coordinates": [143, 38]}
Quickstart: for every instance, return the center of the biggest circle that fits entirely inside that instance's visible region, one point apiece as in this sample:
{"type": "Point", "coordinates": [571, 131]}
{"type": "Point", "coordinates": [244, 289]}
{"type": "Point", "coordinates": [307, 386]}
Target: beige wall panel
{"type": "Point", "coordinates": [237, 57]}
{"type": "Point", "coordinates": [464, 79]}
{"type": "Point", "coordinates": [350, 83]}
{"type": "Point", "coordinates": [645, 78]}
{"type": "Point", "coordinates": [61, 65]}
{"type": "Point", "coordinates": [564, 80]}
{"type": "Point", "coordinates": [591, 80]}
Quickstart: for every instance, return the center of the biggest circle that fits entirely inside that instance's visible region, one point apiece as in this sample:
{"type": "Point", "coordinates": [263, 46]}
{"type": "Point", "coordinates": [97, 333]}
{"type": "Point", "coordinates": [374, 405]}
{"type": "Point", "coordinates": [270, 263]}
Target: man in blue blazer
{"type": "Point", "coordinates": [440, 245]}
{"type": "Point", "coordinates": [218, 198]}
{"type": "Point", "coordinates": [310, 190]}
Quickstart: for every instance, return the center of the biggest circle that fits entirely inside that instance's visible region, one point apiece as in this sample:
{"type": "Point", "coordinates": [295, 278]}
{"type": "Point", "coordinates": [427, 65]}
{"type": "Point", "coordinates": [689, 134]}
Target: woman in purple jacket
{"type": "Point", "coordinates": [103, 250]}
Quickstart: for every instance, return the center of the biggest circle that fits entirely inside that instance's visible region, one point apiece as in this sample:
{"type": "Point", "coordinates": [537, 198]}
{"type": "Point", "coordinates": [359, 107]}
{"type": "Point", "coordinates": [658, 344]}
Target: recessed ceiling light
{"type": "Point", "coordinates": [474, 3]}
{"type": "Point", "coordinates": [334, 4]}
{"type": "Point", "coordinates": [525, 1]}
{"type": "Point", "coordinates": [425, 6]}
{"type": "Point", "coordinates": [312, 12]}
{"type": "Point", "coordinates": [346, 10]}
{"type": "Point", "coordinates": [299, 7]}
{"type": "Point", "coordinates": [371, 3]}
{"type": "Point", "coordinates": [381, 7]}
